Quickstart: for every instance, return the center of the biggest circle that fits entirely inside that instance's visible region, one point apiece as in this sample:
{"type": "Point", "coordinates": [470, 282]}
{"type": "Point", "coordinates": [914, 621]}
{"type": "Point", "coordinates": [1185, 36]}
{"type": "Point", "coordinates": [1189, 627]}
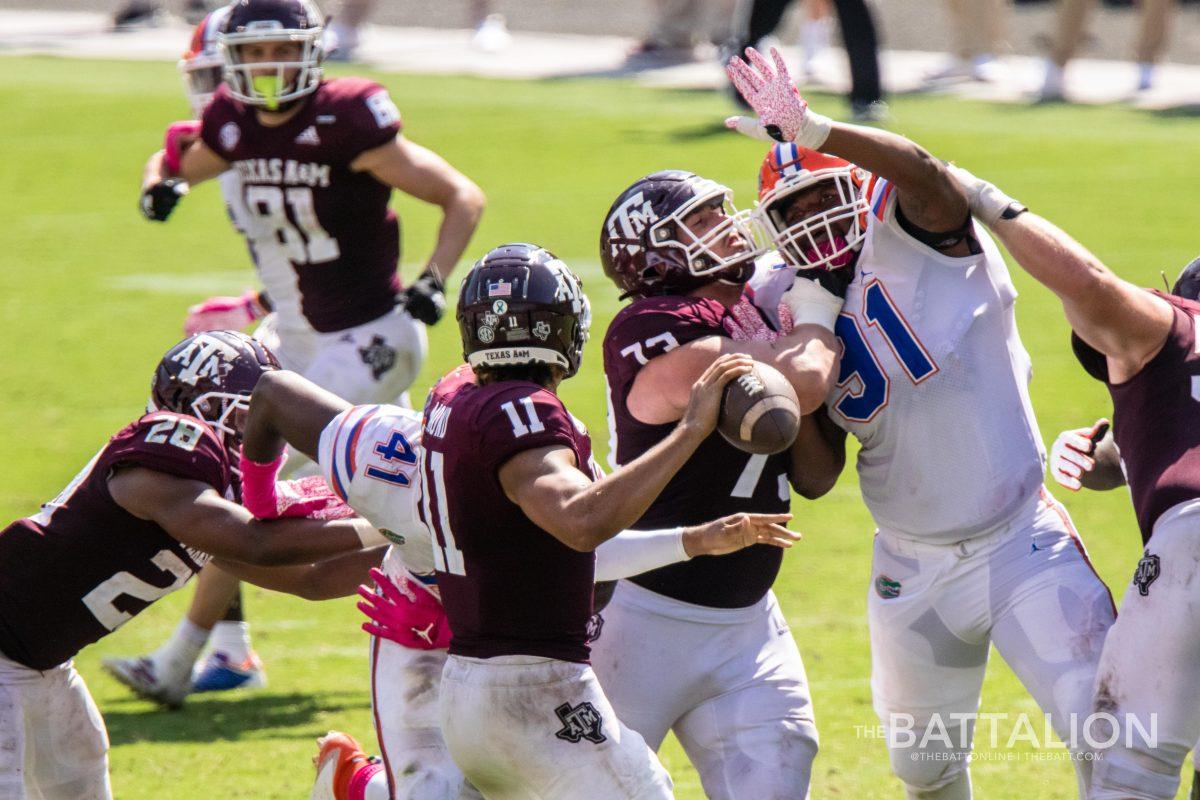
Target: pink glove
{"type": "Point", "coordinates": [405, 613]}
{"type": "Point", "coordinates": [309, 497]}
{"type": "Point", "coordinates": [178, 137]}
{"type": "Point", "coordinates": [745, 324]}
{"type": "Point", "coordinates": [224, 313]}
{"type": "Point", "coordinates": [783, 115]}
{"type": "Point", "coordinates": [258, 486]}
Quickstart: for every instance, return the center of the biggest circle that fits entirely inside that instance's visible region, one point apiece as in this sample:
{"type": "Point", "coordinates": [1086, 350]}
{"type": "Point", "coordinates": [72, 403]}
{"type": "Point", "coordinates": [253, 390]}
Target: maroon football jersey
{"type": "Point", "coordinates": [717, 480]}
{"type": "Point", "coordinates": [305, 207]}
{"type": "Point", "coordinates": [84, 566]}
{"type": "Point", "coordinates": [509, 587]}
{"type": "Point", "coordinates": [1156, 417]}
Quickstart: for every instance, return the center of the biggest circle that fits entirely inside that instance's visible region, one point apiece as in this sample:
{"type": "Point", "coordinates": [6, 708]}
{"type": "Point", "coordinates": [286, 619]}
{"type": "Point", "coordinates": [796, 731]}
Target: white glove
{"type": "Point", "coordinates": [1071, 455]}
{"type": "Point", "coordinates": [810, 303]}
{"type": "Point", "coordinates": [783, 115]}
{"type": "Point", "coordinates": [988, 203]}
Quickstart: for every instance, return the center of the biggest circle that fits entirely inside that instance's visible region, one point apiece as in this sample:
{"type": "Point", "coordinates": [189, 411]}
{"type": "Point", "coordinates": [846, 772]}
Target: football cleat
{"type": "Point", "coordinates": [140, 673]}
{"type": "Point", "coordinates": [337, 760]}
{"type": "Point", "coordinates": [218, 673]}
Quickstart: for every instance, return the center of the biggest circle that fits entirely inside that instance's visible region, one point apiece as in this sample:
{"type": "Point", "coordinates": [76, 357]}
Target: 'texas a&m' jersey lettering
{"type": "Point", "coordinates": [368, 455]}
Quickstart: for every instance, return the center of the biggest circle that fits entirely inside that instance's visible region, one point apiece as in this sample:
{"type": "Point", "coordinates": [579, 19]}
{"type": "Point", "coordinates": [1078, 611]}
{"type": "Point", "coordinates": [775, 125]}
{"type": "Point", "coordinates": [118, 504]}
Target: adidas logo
{"type": "Point", "coordinates": [308, 136]}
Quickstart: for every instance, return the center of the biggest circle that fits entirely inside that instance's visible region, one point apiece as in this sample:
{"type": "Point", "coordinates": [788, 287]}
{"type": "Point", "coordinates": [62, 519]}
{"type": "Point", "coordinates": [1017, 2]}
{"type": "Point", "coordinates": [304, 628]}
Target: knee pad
{"type": "Point", "coordinates": [933, 769]}
{"type": "Point", "coordinates": [1144, 774]}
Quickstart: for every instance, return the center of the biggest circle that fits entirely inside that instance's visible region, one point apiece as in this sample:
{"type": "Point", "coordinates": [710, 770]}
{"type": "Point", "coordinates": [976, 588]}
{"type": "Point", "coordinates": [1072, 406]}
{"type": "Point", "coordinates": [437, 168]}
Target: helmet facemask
{"type": "Point", "coordinates": [265, 84]}
{"type": "Point", "coordinates": [225, 412]}
{"type": "Point", "coordinates": [697, 249]}
{"type": "Point", "coordinates": [202, 75]}
{"type": "Point", "coordinates": [827, 239]}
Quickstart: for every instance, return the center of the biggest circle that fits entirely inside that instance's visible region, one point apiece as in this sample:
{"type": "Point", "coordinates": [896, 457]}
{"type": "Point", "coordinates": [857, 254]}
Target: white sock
{"type": "Point", "coordinates": [233, 639]}
{"type": "Point", "coordinates": [1145, 76]}
{"type": "Point", "coordinates": [173, 661]}
{"type": "Point", "coordinates": [1053, 81]}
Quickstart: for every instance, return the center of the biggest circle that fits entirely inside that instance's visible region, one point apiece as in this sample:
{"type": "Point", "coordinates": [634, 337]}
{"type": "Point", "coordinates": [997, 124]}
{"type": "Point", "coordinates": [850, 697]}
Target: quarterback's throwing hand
{"type": "Point", "coordinates": [704, 405]}
{"type": "Point", "coordinates": [783, 115]}
{"type": "Point", "coordinates": [1071, 454]}
{"type": "Point", "coordinates": [159, 200]}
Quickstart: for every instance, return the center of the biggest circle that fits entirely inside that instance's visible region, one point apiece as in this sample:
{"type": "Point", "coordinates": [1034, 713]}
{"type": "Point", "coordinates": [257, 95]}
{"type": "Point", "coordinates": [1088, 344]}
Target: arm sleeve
{"type": "Point", "coordinates": [632, 552]}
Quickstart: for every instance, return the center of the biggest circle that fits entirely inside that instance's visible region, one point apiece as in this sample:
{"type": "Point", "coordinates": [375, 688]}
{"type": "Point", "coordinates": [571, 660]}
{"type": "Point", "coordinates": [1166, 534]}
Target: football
{"type": "Point", "coordinates": [759, 411]}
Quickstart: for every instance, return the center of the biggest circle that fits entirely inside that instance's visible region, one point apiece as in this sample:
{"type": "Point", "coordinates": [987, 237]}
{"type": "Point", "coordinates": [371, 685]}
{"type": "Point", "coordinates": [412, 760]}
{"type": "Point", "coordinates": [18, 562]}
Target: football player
{"type": "Point", "coordinates": [1145, 346]}
{"type": "Point", "coordinates": [369, 455]}
{"type": "Point", "coordinates": [971, 549]}
{"type": "Point", "coordinates": [702, 647]}
{"type": "Point", "coordinates": [159, 488]}
{"type": "Point", "coordinates": [516, 508]}
{"type": "Point", "coordinates": [323, 241]}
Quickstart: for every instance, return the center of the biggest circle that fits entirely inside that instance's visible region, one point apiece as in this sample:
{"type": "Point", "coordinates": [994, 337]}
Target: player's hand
{"type": "Point", "coordinates": [987, 202]}
{"type": "Point", "coordinates": [732, 533]}
{"type": "Point", "coordinates": [783, 115]}
{"type": "Point", "coordinates": [309, 497]}
{"type": "Point", "coordinates": [224, 313]}
{"type": "Point", "coordinates": [159, 200]}
{"type": "Point", "coordinates": [179, 137]}
{"type": "Point", "coordinates": [425, 299]}
{"type": "Point", "coordinates": [404, 612]}
{"type": "Point", "coordinates": [744, 323]}
{"type": "Point", "coordinates": [704, 404]}
{"type": "Point", "coordinates": [1071, 454]}
{"type": "Point", "coordinates": [817, 295]}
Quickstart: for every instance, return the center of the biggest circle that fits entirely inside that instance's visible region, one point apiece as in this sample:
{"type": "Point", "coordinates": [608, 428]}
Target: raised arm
{"type": "Point", "coordinates": [927, 194]}
{"type": "Point", "coordinates": [193, 513]}
{"type": "Point", "coordinates": [1128, 324]}
{"type": "Point", "coordinates": [422, 173]}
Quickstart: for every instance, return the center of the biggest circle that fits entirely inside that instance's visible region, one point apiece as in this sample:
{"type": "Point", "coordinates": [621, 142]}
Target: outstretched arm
{"type": "Point", "coordinates": [287, 408]}
{"type": "Point", "coordinates": [1128, 324]}
{"type": "Point", "coordinates": [928, 196]}
{"type": "Point", "coordinates": [324, 580]}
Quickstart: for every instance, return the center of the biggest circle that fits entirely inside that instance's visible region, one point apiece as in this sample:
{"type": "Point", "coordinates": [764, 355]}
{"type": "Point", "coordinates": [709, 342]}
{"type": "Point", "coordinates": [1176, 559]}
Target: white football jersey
{"type": "Point", "coordinates": [934, 384]}
{"type": "Point", "coordinates": [368, 454]}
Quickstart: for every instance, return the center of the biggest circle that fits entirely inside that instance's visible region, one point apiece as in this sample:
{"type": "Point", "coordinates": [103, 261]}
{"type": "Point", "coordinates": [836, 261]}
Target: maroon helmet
{"type": "Point", "coordinates": [210, 376]}
{"type": "Point", "coordinates": [646, 249]}
{"type": "Point", "coordinates": [267, 84]}
{"type": "Point", "coordinates": [520, 304]}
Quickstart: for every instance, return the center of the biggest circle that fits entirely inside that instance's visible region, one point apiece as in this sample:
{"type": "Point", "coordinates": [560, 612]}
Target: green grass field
{"type": "Point", "coordinates": [91, 295]}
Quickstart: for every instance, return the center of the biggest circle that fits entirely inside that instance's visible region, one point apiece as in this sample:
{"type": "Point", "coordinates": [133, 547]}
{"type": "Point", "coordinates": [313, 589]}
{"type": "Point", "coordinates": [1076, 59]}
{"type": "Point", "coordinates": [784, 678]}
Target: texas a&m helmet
{"type": "Point", "coordinates": [202, 67]}
{"type": "Point", "coordinates": [520, 304]}
{"type": "Point", "coordinates": [829, 237]}
{"type": "Point", "coordinates": [647, 249]}
{"type": "Point", "coordinates": [253, 22]}
{"type": "Point", "coordinates": [210, 376]}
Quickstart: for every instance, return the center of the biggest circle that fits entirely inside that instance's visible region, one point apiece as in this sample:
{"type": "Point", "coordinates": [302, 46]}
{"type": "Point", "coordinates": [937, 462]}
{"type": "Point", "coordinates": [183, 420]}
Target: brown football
{"type": "Point", "coordinates": [759, 411]}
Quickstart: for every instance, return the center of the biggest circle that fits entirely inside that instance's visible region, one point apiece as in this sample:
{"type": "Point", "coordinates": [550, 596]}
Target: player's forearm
{"type": "Point", "coordinates": [818, 456]}
{"type": "Point", "coordinates": [807, 357]}
{"type": "Point", "coordinates": [462, 212]}
{"type": "Point", "coordinates": [286, 408]}
{"type": "Point", "coordinates": [602, 509]}
{"type": "Point", "coordinates": [632, 552]}
{"type": "Point", "coordinates": [334, 577]}
{"type": "Point", "coordinates": [922, 181]}
{"type": "Point", "coordinates": [1110, 314]}
{"type": "Point", "coordinates": [285, 542]}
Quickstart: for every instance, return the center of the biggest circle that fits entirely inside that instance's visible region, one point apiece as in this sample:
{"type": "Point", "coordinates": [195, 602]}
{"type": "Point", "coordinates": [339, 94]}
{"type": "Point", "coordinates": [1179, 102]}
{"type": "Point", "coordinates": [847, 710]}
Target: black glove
{"type": "Point", "coordinates": [424, 299]}
{"type": "Point", "coordinates": [835, 281]}
{"type": "Point", "coordinates": [159, 200]}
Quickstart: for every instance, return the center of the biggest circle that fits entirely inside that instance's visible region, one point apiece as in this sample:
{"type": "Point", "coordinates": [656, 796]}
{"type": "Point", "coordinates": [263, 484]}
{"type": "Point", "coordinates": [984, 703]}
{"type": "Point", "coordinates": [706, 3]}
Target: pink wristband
{"type": "Point", "coordinates": [258, 486]}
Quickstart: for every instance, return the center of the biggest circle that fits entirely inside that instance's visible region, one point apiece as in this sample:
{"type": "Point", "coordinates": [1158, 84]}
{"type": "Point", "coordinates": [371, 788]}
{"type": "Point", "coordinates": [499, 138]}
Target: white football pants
{"type": "Point", "coordinates": [1149, 676]}
{"type": "Point", "coordinates": [528, 728]}
{"type": "Point", "coordinates": [1026, 586]}
{"type": "Point", "coordinates": [53, 745]}
{"type": "Point", "coordinates": [729, 682]}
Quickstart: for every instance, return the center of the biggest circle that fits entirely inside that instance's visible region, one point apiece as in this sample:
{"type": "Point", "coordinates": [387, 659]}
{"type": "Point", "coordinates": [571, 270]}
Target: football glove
{"type": "Point", "coordinates": [425, 298]}
{"type": "Point", "coordinates": [404, 612]}
{"type": "Point", "coordinates": [783, 115]}
{"type": "Point", "coordinates": [1071, 454]}
{"type": "Point", "coordinates": [159, 200]}
{"type": "Point", "coordinates": [225, 313]}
